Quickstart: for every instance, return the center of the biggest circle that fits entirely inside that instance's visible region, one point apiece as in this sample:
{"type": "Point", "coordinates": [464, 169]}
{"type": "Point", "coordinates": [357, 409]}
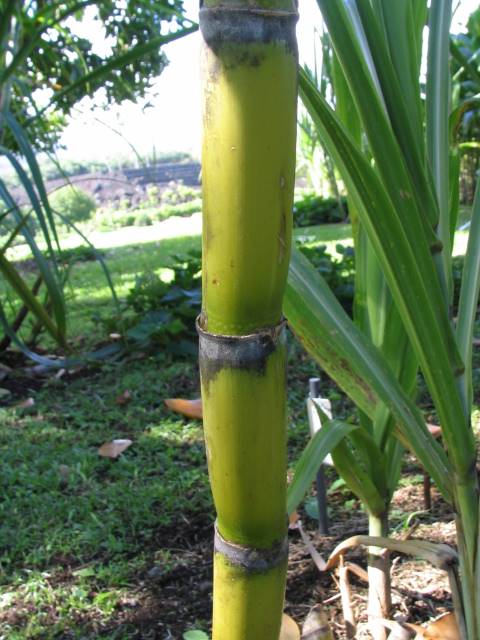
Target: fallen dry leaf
{"type": "Point", "coordinates": [435, 430]}
{"type": "Point", "coordinates": [25, 404]}
{"type": "Point", "coordinates": [398, 630]}
{"type": "Point", "coordinates": [445, 628]}
{"type": "Point", "coordinates": [293, 519]}
{"type": "Point", "coordinates": [188, 408]}
{"type": "Point", "coordinates": [316, 626]}
{"type": "Point", "coordinates": [124, 398]}
{"type": "Point", "coordinates": [114, 448]}
{"type": "Point", "coordinates": [289, 629]}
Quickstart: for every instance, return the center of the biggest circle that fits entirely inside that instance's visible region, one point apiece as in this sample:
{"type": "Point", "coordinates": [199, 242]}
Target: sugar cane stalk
{"type": "Point", "coordinates": [250, 88]}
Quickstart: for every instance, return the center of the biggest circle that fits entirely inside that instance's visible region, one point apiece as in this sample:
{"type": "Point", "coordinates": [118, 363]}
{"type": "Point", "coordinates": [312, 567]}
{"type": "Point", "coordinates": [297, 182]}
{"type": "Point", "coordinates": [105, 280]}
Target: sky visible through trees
{"type": "Point", "coordinates": [173, 122]}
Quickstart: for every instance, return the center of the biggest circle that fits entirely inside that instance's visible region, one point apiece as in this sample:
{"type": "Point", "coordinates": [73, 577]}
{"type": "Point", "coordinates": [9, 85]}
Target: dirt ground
{"type": "Point", "coordinates": [168, 600]}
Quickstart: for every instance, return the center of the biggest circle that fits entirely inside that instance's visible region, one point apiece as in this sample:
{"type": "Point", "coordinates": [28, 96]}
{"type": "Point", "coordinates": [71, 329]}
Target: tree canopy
{"type": "Point", "coordinates": [48, 64]}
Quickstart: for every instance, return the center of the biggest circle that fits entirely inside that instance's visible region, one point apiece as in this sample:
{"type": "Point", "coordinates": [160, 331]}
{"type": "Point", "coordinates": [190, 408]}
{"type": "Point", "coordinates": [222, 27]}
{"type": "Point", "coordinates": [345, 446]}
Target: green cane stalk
{"type": "Point", "coordinates": [250, 92]}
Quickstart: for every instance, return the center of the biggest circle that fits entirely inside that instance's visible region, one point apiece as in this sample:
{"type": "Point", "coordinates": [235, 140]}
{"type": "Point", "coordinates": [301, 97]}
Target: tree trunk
{"type": "Point", "coordinates": [250, 86]}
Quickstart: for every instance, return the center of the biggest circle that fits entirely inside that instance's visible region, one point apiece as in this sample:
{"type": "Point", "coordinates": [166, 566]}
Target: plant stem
{"type": "Point", "coordinates": [379, 589]}
{"type": "Point", "coordinates": [471, 616]}
{"type": "Point", "coordinates": [250, 85]}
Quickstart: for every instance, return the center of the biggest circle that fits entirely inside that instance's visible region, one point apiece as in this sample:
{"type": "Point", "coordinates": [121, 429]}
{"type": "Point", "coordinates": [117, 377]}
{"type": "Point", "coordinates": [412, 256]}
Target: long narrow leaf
{"type": "Point", "coordinates": [14, 234]}
{"type": "Point", "coordinates": [422, 308]}
{"type": "Point", "coordinates": [17, 283]}
{"type": "Point", "coordinates": [50, 277]}
{"type": "Point", "coordinates": [405, 117]}
{"type": "Point", "coordinates": [465, 62]}
{"type": "Point", "coordinates": [437, 114]}
{"type": "Point", "coordinates": [31, 194]}
{"type": "Point", "coordinates": [403, 24]}
{"type": "Point", "coordinates": [355, 364]}
{"type": "Point", "coordinates": [312, 457]}
{"type": "Point", "coordinates": [26, 149]}
{"type": "Point", "coordinates": [358, 479]}
{"type": "Point", "coordinates": [390, 162]}
{"type": "Point", "coordinates": [467, 307]}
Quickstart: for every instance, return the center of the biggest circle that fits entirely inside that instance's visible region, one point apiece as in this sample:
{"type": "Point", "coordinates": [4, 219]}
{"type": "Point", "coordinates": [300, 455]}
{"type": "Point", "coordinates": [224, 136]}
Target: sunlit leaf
{"type": "Point", "coordinates": [195, 635]}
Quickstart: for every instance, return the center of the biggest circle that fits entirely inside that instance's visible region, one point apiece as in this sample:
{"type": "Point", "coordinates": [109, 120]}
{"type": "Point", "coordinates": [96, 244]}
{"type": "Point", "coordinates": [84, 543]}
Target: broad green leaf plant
{"type": "Point", "coordinates": [396, 164]}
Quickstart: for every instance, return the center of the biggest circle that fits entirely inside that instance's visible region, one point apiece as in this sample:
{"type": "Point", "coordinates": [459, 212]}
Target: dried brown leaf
{"type": "Point", "coordinates": [187, 408]}
{"type": "Point", "coordinates": [124, 398]}
{"type": "Point", "coordinates": [316, 625]}
{"type": "Point", "coordinates": [439, 555]}
{"type": "Point", "coordinates": [357, 570]}
{"type": "Point", "coordinates": [435, 430]}
{"type": "Point", "coordinates": [293, 519]}
{"type": "Point", "coordinates": [28, 403]}
{"type": "Point", "coordinates": [445, 628]}
{"type": "Point", "coordinates": [347, 608]}
{"type": "Point", "coordinates": [316, 557]}
{"type": "Point", "coordinates": [114, 448]}
{"type": "Point", "coordinates": [289, 629]}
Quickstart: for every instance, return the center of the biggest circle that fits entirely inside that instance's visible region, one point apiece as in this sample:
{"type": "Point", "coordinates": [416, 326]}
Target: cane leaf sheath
{"type": "Point", "coordinates": [250, 87]}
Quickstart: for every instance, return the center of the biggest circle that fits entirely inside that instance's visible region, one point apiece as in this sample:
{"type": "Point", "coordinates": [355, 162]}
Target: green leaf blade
{"type": "Point", "coordinates": [322, 443]}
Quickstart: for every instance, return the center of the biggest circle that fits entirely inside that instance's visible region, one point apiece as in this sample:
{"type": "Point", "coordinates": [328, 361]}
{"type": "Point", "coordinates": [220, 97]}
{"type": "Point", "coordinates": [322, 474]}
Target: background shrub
{"type": "Point", "coordinates": [313, 209]}
{"type": "Point", "coordinates": [73, 203]}
{"type": "Point", "coordinates": [339, 273]}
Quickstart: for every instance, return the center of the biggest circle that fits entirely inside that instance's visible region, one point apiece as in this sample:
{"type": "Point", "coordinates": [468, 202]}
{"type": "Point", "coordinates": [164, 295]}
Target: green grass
{"type": "Point", "coordinates": [64, 505]}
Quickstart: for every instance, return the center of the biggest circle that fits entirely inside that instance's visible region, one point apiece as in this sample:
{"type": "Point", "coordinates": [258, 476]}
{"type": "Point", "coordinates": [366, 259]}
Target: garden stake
{"type": "Point", "coordinates": [250, 90]}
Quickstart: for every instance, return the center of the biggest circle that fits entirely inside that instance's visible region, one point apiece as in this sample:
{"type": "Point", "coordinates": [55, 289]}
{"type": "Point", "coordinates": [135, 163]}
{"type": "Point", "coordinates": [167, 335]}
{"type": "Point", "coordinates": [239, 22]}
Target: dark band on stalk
{"type": "Point", "coordinates": [227, 24]}
{"type": "Point", "coordinates": [251, 559]}
{"type": "Point", "coordinates": [250, 352]}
